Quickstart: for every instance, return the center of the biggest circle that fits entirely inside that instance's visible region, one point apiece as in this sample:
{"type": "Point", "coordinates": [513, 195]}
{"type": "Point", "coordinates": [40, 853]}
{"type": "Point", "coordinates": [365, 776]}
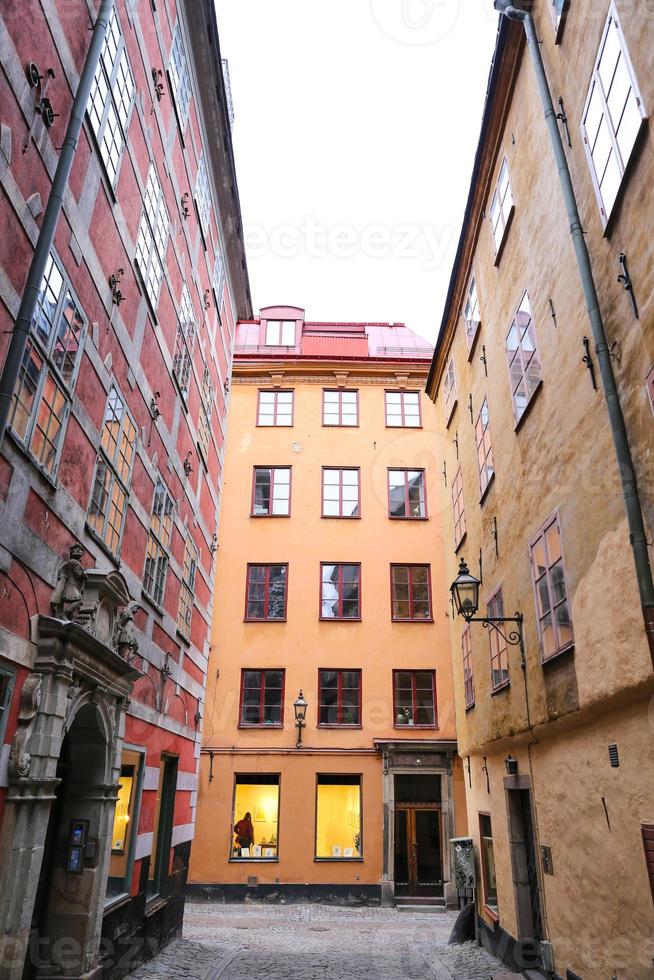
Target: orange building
{"type": "Point", "coordinates": [329, 603]}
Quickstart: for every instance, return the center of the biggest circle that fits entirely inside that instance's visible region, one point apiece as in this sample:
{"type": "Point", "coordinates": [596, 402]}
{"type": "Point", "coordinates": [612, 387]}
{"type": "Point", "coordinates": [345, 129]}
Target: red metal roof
{"type": "Point", "coordinates": [314, 345]}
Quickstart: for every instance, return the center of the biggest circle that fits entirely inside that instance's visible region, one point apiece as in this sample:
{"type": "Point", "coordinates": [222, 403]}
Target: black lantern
{"type": "Point", "coordinates": [300, 708]}
{"type": "Point", "coordinates": [465, 592]}
{"type": "Point", "coordinates": [511, 765]}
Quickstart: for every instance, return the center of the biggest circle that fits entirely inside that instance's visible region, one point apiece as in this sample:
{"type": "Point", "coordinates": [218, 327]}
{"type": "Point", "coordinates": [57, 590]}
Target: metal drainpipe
{"type": "Point", "coordinates": [53, 208]}
{"type": "Point", "coordinates": [635, 520]}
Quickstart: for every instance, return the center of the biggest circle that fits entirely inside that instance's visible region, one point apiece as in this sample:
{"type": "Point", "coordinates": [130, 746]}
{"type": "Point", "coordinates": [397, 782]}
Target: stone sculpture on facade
{"type": "Point", "coordinates": [30, 699]}
{"type": "Point", "coordinates": [68, 596]}
{"type": "Point", "coordinates": [124, 639]}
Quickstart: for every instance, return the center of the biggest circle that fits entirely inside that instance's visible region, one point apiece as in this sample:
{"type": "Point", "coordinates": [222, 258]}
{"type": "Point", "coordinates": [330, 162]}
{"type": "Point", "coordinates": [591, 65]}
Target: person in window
{"type": "Point", "coordinates": [244, 831]}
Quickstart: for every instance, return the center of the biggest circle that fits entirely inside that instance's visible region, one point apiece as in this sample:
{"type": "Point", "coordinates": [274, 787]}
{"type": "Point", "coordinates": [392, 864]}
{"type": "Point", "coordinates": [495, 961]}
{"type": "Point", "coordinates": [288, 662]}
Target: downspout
{"type": "Point", "coordinates": [634, 511]}
{"type": "Point", "coordinates": [20, 333]}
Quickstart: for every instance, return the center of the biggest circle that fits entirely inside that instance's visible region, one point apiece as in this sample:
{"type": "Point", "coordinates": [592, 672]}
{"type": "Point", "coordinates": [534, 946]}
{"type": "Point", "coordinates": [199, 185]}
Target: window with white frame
{"type": "Point", "coordinates": [152, 237]}
{"type": "Point", "coordinates": [552, 602]}
{"type": "Point", "coordinates": [271, 491]}
{"type": "Point", "coordinates": [484, 448]}
{"type": "Point", "coordinates": [280, 333]}
{"type": "Point", "coordinates": [207, 394]}
{"type": "Point", "coordinates": [468, 676]}
{"type": "Point", "coordinates": [159, 538]}
{"type": "Point", "coordinates": [403, 409]}
{"type": "Point", "coordinates": [458, 509]}
{"type": "Point", "coordinates": [340, 407]}
{"type": "Point", "coordinates": [111, 99]}
{"type": "Point", "coordinates": [203, 197]}
{"type": "Point", "coordinates": [449, 391]}
{"type": "Point", "coordinates": [187, 589]}
{"type": "Point", "coordinates": [524, 363]}
{"type": "Point", "coordinates": [612, 117]}
{"type": "Point", "coordinates": [501, 206]}
{"type": "Point", "coordinates": [180, 79]}
{"type": "Point", "coordinates": [48, 372]}
{"type": "Point", "coordinates": [275, 408]}
{"type": "Point", "coordinates": [471, 315]}
{"type": "Point", "coordinates": [184, 341]}
{"type": "Point", "coordinates": [113, 472]}
{"type": "Point", "coordinates": [218, 279]}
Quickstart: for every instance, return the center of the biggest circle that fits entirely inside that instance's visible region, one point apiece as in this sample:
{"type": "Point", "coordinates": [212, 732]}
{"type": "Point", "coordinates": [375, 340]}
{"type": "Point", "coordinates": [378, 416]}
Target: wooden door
{"type": "Point", "coordinates": [418, 850]}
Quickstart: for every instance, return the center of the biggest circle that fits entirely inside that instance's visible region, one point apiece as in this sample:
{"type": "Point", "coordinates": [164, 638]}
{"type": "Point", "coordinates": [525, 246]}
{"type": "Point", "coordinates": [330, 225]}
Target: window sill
{"type": "Point", "coordinates": [559, 653]}
{"type": "Point", "coordinates": [339, 619]}
{"type": "Point", "coordinates": [341, 860]}
{"type": "Point", "coordinates": [340, 517]}
{"type": "Point", "coordinates": [415, 428]}
{"type": "Point", "coordinates": [115, 902]}
{"type": "Point", "coordinates": [273, 425]}
{"type": "Point", "coordinates": [154, 904]}
{"type": "Point", "coordinates": [246, 620]}
{"type": "Point", "coordinates": [491, 913]}
{"type": "Point", "coordinates": [422, 728]}
{"type": "Point", "coordinates": [152, 602]}
{"type": "Point", "coordinates": [101, 544]}
{"type": "Point", "coordinates": [430, 619]}
{"type": "Point", "coordinates": [186, 640]}
{"type": "Point", "coordinates": [460, 542]}
{"type": "Point", "coordinates": [473, 342]}
{"type": "Point", "coordinates": [397, 517]}
{"type": "Point", "coordinates": [341, 425]}
{"type": "Point", "coordinates": [257, 860]}
{"type": "Point", "coordinates": [244, 728]}
{"type": "Point", "coordinates": [450, 416]}
{"type": "Point", "coordinates": [264, 516]}
{"type": "Point", "coordinates": [527, 409]}
{"type": "Point", "coordinates": [469, 707]}
{"type": "Point", "coordinates": [347, 728]}
{"type": "Point", "coordinates": [505, 235]}
{"type": "Point", "coordinates": [484, 492]}
{"type": "Point", "coordinates": [500, 688]}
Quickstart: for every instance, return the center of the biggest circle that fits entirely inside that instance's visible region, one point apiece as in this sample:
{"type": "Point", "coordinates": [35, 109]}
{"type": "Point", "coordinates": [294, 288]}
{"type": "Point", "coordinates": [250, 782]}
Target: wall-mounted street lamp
{"type": "Point", "coordinates": [300, 707]}
{"type": "Point", "coordinates": [511, 766]}
{"type": "Point", "coordinates": [465, 594]}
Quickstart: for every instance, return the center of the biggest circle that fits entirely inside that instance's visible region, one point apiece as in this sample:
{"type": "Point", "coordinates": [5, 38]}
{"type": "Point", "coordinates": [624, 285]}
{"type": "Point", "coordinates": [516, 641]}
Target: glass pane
{"type": "Point", "coordinates": [256, 807]}
{"type": "Point", "coordinates": [338, 821]}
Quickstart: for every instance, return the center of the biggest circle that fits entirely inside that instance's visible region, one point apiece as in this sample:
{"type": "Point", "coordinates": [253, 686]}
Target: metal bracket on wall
{"type": "Point", "coordinates": [494, 533]}
{"type": "Point", "coordinates": [455, 442]}
{"type": "Point", "coordinates": [445, 472]}
{"type": "Point", "coordinates": [484, 769]}
{"type": "Point", "coordinates": [482, 358]}
{"type": "Point", "coordinates": [625, 279]}
{"type": "Point", "coordinates": [469, 774]}
{"type": "Point", "coordinates": [553, 312]}
{"type": "Point", "coordinates": [470, 408]}
{"type": "Point", "coordinates": [563, 119]}
{"type": "Point", "coordinates": [588, 361]}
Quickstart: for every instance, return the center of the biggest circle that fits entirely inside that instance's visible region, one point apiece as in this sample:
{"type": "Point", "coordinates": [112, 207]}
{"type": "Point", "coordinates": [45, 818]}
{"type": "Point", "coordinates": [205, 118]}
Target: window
{"type": "Point", "coordinates": [340, 407]}
{"type": "Point", "coordinates": [410, 592]}
{"type": "Point", "coordinates": [524, 362]}
{"type": "Point", "coordinates": [649, 382]}
{"type": "Point", "coordinates": [647, 831]}
{"type": "Point", "coordinates": [612, 117]}
{"type": "Point", "coordinates": [449, 391]}
{"type": "Point", "coordinates": [180, 80]}
{"type": "Point", "coordinates": [403, 409]}
{"type": "Point", "coordinates": [262, 697]}
{"type": "Point", "coordinates": [255, 828]}
{"type": "Point", "coordinates": [203, 198]}
{"type": "Point", "coordinates": [484, 448]}
{"type": "Point", "coordinates": [499, 657]}
{"type": "Point", "coordinates": [218, 280]}
{"type": "Point", "coordinates": [339, 697]}
{"type": "Point", "coordinates": [340, 591]}
{"type": "Point", "coordinates": [184, 342]}
{"type": "Point", "coordinates": [275, 408]}
{"type": "Point", "coordinates": [125, 825]}
{"type": "Point", "coordinates": [414, 700]}
{"type": "Point", "coordinates": [341, 495]}
{"type": "Point", "coordinates": [271, 491]}
{"type": "Point", "coordinates": [338, 817]}
{"type": "Point", "coordinates": [266, 592]}
{"type": "Point", "coordinates": [501, 207]}
{"type": "Point", "coordinates": [6, 691]}
{"type": "Point", "coordinates": [207, 395]}
{"type": "Point", "coordinates": [187, 589]}
{"type": "Point", "coordinates": [280, 333]}
{"type": "Point", "coordinates": [152, 237]}
{"type": "Point", "coordinates": [110, 102]}
{"type": "Point", "coordinates": [406, 494]}
{"type": "Point", "coordinates": [487, 862]}
{"type": "Point", "coordinates": [46, 380]}
{"type": "Point", "coordinates": [468, 676]}
{"type": "Point", "coordinates": [458, 509]}
{"type": "Point", "coordinates": [158, 874]}
{"type": "Point", "coordinates": [157, 554]}
{"type": "Point", "coordinates": [552, 607]}
{"type": "Point", "coordinates": [471, 314]}
{"type": "Point", "coordinates": [113, 468]}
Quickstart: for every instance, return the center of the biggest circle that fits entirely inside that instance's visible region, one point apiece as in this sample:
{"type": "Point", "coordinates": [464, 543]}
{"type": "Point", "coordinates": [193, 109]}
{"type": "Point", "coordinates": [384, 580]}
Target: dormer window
{"type": "Point", "coordinates": [280, 333]}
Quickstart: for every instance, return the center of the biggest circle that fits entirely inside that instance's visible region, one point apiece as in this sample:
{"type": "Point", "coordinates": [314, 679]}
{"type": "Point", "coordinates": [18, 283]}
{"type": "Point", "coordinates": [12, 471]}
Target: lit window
{"type": "Point", "coordinates": [468, 677]}
{"type": "Point", "coordinates": [458, 509]}
{"type": "Point", "coordinates": [280, 333]}
{"type": "Point", "coordinates": [157, 555]}
{"type": "Point", "coordinates": [449, 391]}
{"type": "Point", "coordinates": [262, 697]}
{"type": "Point", "coordinates": [113, 468]}
{"type": "Point", "coordinates": [275, 408]}
{"type": "Point", "coordinates": [612, 117]}
{"type": "Point", "coordinates": [471, 315]}
{"type": "Point", "coordinates": [403, 409]}
{"type": "Point", "coordinates": [340, 493]}
{"type": "Point", "coordinates": [410, 592]}
{"type": "Point", "coordinates": [484, 448]}
{"type": "Point", "coordinates": [207, 395]}
{"type": "Point", "coordinates": [340, 407]}
{"type": "Point", "coordinates": [266, 592]}
{"type": "Point", "coordinates": [499, 656]}
{"type": "Point", "coordinates": [271, 492]}
{"type": "Point", "coordinates": [111, 99]}
{"type": "Point", "coordinates": [203, 198]}
{"type": "Point", "coordinates": [414, 698]}
{"type": "Point", "coordinates": [487, 862]}
{"type": "Point", "coordinates": [501, 206]}
{"type": "Point", "coordinates": [338, 817]}
{"type": "Point", "coordinates": [255, 831]}
{"type": "Point", "coordinates": [48, 372]}
{"type": "Point", "coordinates": [406, 493]}
{"type": "Point", "coordinates": [184, 342]}
{"type": "Point", "coordinates": [152, 237]}
{"type": "Point", "coordinates": [124, 829]}
{"type": "Point", "coordinates": [524, 363]}
{"type": "Point", "coordinates": [340, 591]}
{"type": "Point", "coordinates": [552, 606]}
{"type": "Point", "coordinates": [187, 589]}
{"type": "Point", "coordinates": [180, 80]}
{"type": "Point", "coordinates": [339, 697]}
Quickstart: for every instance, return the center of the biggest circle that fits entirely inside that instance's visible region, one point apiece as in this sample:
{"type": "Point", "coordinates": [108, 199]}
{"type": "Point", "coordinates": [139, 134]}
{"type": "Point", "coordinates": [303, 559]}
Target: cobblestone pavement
{"type": "Point", "coordinates": [315, 942]}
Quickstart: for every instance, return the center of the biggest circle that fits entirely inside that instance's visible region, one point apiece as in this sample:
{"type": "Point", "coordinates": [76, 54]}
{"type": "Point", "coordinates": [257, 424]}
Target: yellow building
{"type": "Point", "coordinates": [557, 747]}
{"type": "Point", "coordinates": [330, 590]}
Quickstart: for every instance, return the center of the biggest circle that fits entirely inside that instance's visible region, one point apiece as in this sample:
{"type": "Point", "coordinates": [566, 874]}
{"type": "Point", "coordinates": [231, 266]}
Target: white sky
{"type": "Point", "coordinates": [356, 126]}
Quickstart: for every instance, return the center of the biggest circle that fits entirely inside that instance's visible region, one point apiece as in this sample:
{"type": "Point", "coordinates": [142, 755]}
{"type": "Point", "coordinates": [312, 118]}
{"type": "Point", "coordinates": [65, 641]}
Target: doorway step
{"type": "Point", "coordinates": [427, 903]}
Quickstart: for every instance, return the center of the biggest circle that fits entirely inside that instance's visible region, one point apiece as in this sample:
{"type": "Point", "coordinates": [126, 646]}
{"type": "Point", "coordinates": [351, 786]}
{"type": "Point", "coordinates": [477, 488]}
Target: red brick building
{"type": "Point", "coordinates": [114, 442]}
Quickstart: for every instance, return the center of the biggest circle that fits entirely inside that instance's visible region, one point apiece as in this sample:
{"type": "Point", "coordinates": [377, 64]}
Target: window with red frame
{"type": "Point", "coordinates": [458, 509]}
{"type": "Point", "coordinates": [406, 493]}
{"type": "Point", "coordinates": [524, 363]}
{"type": "Point", "coordinates": [271, 492]}
{"type": "Point", "coordinates": [499, 655]}
{"type": "Point", "coordinates": [484, 448]}
{"type": "Point", "coordinates": [266, 592]}
{"type": "Point", "coordinates": [449, 391]}
{"type": "Point", "coordinates": [471, 316]}
{"type": "Point", "coordinates": [262, 697]}
{"type": "Point", "coordinates": [650, 387]}
{"type": "Point", "coordinates": [410, 592]}
{"type": "Point", "coordinates": [341, 495]}
{"type": "Point", "coordinates": [403, 409]}
{"type": "Point", "coordinates": [552, 606]}
{"type": "Point", "coordinates": [339, 697]}
{"type": "Point", "coordinates": [340, 591]}
{"type": "Point", "coordinates": [414, 698]}
{"type": "Point", "coordinates": [340, 407]}
{"type": "Point", "coordinates": [275, 408]}
{"type": "Point", "coordinates": [468, 678]}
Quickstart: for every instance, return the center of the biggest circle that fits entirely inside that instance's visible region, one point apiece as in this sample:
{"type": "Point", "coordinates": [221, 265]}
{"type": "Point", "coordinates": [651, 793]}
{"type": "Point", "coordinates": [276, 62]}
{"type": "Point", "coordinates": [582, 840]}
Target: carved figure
{"type": "Point", "coordinates": [125, 642]}
{"type": "Point", "coordinates": [68, 596]}
{"type": "Point", "coordinates": [30, 699]}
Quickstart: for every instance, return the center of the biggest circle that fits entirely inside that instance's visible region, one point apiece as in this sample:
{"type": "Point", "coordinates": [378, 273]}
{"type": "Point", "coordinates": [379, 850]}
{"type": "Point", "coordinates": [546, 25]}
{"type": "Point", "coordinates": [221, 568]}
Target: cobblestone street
{"type": "Point", "coordinates": [302, 942]}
